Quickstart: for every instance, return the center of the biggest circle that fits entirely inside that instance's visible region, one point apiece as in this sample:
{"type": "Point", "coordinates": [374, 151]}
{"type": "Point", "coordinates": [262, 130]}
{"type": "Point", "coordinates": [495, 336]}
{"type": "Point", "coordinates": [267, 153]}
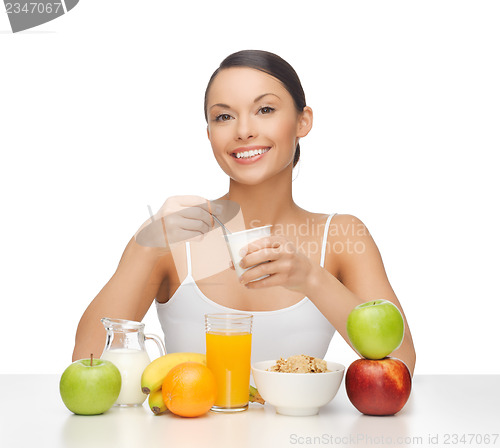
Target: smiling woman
{"type": "Point", "coordinates": [245, 125]}
{"type": "Point", "coordinates": [300, 286]}
{"type": "Point", "coordinates": [279, 70]}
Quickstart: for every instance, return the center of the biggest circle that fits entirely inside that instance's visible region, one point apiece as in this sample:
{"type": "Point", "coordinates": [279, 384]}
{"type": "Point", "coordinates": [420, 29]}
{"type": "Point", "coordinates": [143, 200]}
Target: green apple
{"type": "Point", "coordinates": [90, 386]}
{"type": "Point", "coordinates": [375, 328]}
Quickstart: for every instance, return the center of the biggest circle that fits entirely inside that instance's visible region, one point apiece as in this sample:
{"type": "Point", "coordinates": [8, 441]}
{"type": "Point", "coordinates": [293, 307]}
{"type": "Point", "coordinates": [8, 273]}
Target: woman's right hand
{"type": "Point", "coordinates": [135, 284]}
{"type": "Point", "coordinates": [180, 219]}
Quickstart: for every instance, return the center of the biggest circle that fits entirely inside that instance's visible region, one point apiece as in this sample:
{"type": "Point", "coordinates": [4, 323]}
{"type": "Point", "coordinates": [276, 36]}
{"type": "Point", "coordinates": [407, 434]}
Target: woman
{"type": "Point", "coordinates": [315, 273]}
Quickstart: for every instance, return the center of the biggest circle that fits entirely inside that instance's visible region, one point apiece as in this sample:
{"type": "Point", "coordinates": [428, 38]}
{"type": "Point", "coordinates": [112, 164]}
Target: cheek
{"type": "Point", "coordinates": [217, 140]}
{"type": "Point", "coordinates": [285, 133]}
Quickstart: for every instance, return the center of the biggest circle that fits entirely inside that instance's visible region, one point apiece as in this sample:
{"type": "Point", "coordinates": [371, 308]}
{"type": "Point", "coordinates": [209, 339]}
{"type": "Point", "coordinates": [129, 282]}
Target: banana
{"type": "Point", "coordinates": [155, 373]}
{"type": "Point", "coordinates": [254, 396]}
{"type": "Point", "coordinates": [156, 403]}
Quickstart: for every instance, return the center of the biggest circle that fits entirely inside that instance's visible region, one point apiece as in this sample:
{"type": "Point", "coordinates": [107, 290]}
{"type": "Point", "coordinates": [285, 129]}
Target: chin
{"type": "Point", "coordinates": [248, 180]}
{"type": "Point", "coordinates": [244, 176]}
{"type": "Point", "coordinates": [261, 175]}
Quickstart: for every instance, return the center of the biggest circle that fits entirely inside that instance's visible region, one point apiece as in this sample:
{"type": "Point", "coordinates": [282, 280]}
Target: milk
{"type": "Point", "coordinates": [131, 363]}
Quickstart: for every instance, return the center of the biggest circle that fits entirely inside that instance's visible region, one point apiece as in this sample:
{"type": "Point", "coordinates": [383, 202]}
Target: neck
{"type": "Point", "coordinates": [266, 203]}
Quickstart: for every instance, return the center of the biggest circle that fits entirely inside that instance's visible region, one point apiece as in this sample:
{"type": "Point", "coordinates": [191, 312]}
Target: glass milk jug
{"type": "Point", "coordinates": [125, 348]}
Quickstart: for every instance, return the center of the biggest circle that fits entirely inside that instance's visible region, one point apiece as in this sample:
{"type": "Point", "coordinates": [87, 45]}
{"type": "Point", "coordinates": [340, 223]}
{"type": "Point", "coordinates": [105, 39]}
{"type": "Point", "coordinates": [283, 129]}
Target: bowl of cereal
{"type": "Point", "coordinates": [299, 385]}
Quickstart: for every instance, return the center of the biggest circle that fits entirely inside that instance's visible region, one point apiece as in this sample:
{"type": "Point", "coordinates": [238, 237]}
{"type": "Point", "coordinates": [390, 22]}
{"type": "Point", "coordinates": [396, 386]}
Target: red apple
{"type": "Point", "coordinates": [378, 387]}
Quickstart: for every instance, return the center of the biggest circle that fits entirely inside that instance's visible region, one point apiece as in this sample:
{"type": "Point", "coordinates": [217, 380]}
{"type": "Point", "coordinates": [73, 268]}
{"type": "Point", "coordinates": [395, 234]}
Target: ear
{"type": "Point", "coordinates": [305, 122]}
{"type": "Point", "coordinates": [208, 133]}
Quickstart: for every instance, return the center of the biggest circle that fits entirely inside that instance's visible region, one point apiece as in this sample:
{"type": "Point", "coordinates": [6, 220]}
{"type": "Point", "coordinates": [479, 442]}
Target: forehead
{"type": "Point", "coordinates": [243, 84]}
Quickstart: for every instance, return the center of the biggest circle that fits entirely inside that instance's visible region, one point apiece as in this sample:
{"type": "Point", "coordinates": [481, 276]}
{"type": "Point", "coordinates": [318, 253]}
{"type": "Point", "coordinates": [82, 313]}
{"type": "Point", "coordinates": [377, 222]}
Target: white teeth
{"type": "Point", "coordinates": [251, 153]}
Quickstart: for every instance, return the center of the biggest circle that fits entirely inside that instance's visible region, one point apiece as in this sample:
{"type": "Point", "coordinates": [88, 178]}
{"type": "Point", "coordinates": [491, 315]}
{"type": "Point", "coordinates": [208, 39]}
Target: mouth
{"type": "Point", "coordinates": [247, 154]}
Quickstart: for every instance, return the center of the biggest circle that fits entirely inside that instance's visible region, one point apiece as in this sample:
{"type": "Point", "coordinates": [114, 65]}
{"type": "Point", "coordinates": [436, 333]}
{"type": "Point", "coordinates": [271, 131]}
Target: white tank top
{"type": "Point", "coordinates": [297, 329]}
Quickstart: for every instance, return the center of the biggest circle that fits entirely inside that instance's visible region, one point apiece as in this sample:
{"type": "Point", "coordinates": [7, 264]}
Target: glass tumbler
{"type": "Point", "coordinates": [228, 348]}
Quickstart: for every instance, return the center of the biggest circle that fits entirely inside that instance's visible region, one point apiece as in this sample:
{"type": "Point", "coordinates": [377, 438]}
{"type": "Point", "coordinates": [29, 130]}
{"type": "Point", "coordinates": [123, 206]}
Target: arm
{"type": "Point", "coordinates": [361, 277]}
{"type": "Point", "coordinates": [141, 271]}
{"type": "Point", "coordinates": [128, 295]}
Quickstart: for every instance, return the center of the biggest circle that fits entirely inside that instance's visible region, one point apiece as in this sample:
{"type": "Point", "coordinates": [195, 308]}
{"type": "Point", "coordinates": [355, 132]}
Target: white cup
{"type": "Point", "coordinates": [238, 240]}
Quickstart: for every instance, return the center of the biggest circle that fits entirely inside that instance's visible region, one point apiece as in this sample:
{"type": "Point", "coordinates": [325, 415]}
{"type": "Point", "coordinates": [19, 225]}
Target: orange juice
{"type": "Point", "coordinates": [228, 357]}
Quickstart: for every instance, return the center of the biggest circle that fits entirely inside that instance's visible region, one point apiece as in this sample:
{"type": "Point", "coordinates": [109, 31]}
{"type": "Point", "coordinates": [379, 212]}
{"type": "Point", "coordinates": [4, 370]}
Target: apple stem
{"type": "Point", "coordinates": [91, 359]}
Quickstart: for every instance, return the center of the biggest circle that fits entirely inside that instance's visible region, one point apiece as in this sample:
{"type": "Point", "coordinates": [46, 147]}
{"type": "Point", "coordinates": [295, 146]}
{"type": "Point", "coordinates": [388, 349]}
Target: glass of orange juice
{"type": "Point", "coordinates": [229, 346]}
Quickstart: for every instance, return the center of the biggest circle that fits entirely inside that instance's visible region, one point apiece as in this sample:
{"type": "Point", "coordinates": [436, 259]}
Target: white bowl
{"type": "Point", "coordinates": [297, 393]}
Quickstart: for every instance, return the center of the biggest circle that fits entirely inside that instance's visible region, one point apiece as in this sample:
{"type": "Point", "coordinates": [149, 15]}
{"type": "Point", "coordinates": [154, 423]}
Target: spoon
{"type": "Point", "coordinates": [224, 228]}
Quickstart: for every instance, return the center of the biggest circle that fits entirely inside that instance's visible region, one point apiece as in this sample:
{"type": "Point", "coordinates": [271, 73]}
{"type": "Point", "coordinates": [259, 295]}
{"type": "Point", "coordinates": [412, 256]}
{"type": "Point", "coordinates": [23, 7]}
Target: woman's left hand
{"type": "Point", "coordinates": [280, 259]}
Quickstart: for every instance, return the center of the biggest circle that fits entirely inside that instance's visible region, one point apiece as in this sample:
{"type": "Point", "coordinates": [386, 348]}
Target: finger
{"type": "Point", "coordinates": [196, 213]}
{"type": "Point", "coordinates": [175, 204]}
{"type": "Point", "coordinates": [268, 241]}
{"type": "Point", "coordinates": [267, 282]}
{"type": "Point", "coordinates": [183, 217]}
{"type": "Point", "coordinates": [266, 268]}
{"type": "Point", "coordinates": [211, 214]}
{"type": "Point", "coordinates": [260, 256]}
{"type": "Point", "coordinates": [214, 207]}
{"type": "Point", "coordinates": [202, 203]}
{"type": "Point", "coordinates": [177, 222]}
{"type": "Point", "coordinates": [195, 225]}
{"type": "Point", "coordinates": [192, 201]}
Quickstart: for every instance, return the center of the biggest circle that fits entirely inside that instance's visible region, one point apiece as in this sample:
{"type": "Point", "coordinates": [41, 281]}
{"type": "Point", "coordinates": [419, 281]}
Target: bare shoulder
{"type": "Point", "coordinates": [356, 255]}
{"type": "Point", "coordinates": [345, 228]}
{"type": "Point", "coordinates": [350, 242]}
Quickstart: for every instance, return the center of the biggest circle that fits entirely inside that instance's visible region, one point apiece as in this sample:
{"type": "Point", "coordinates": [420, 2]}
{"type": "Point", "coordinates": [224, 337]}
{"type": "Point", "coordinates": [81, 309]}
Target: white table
{"type": "Point", "coordinates": [441, 409]}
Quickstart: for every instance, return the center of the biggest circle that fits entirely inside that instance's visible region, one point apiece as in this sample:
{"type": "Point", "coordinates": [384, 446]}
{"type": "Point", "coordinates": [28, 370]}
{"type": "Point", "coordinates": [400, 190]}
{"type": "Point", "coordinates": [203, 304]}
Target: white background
{"type": "Point", "coordinates": [101, 113]}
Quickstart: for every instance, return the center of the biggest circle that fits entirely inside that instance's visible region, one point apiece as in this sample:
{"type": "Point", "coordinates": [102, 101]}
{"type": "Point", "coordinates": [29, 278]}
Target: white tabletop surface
{"type": "Point", "coordinates": [443, 410]}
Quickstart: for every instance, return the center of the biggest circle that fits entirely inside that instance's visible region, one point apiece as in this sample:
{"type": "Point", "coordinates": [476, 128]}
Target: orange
{"type": "Point", "coordinates": [189, 389]}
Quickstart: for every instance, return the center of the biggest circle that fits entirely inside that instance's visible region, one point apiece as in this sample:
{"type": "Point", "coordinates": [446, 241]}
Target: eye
{"type": "Point", "coordinates": [223, 117]}
{"type": "Point", "coordinates": [266, 110]}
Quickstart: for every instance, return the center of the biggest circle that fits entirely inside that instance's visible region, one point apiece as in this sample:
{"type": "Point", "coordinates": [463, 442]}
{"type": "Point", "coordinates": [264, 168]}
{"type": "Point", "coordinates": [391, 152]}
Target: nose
{"type": "Point", "coordinates": [245, 129]}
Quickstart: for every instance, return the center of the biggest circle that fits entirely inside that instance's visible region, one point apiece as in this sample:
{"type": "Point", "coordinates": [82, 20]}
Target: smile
{"type": "Point", "coordinates": [249, 154]}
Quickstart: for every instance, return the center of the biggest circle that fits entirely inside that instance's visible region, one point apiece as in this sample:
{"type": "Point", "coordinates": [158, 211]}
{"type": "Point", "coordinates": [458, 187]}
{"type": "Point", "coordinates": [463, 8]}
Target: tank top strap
{"type": "Point", "coordinates": [325, 238]}
{"type": "Point", "coordinates": [188, 259]}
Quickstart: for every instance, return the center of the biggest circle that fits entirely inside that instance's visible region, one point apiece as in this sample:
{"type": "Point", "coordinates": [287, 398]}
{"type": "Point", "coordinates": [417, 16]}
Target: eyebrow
{"type": "Point", "coordinates": [263, 95]}
{"type": "Point", "coordinates": [255, 100]}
